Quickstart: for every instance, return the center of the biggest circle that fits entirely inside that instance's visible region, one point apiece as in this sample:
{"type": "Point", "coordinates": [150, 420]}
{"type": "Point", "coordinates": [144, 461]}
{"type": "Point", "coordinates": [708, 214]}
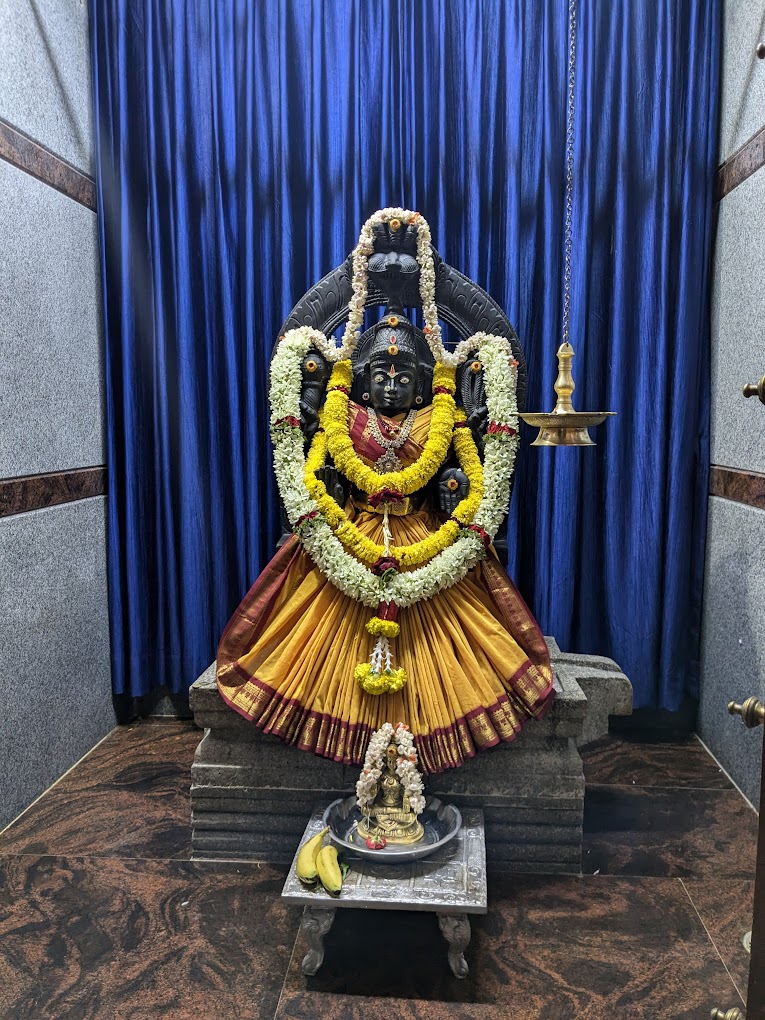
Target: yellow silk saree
{"type": "Point", "coordinates": [477, 663]}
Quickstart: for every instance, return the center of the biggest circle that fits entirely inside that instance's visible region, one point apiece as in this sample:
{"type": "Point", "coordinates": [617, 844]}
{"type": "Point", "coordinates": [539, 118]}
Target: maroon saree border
{"type": "Point", "coordinates": [353, 736]}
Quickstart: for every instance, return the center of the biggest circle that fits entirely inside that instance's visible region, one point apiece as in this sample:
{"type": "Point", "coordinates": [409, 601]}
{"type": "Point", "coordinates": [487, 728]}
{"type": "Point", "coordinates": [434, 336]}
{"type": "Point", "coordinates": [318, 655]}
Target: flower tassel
{"type": "Point", "coordinates": [378, 676]}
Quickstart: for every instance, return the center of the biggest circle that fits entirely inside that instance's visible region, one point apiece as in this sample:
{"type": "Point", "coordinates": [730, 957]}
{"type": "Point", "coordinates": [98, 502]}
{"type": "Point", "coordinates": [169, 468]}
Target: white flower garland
{"type": "Point", "coordinates": [448, 567]}
{"type": "Point", "coordinates": [406, 767]}
{"type": "Point", "coordinates": [500, 374]}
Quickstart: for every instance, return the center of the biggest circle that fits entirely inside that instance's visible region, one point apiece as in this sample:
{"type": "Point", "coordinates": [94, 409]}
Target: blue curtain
{"type": "Point", "coordinates": [240, 147]}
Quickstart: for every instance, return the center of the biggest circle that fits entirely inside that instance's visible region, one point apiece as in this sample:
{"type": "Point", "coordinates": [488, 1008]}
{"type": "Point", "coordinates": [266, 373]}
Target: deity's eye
{"type": "Point", "coordinates": [404, 380]}
{"type": "Point", "coordinates": [379, 377]}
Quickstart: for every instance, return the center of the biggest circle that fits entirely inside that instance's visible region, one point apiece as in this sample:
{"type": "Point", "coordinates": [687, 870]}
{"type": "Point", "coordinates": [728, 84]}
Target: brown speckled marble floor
{"type": "Point", "coordinates": [103, 916]}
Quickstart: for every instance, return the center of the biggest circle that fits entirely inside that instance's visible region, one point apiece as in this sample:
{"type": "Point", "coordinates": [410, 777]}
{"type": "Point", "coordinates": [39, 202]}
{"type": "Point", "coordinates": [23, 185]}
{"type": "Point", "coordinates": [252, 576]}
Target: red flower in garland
{"type": "Point", "coordinates": [381, 566]}
{"type": "Point", "coordinates": [480, 531]}
{"type": "Point", "coordinates": [495, 429]}
{"type": "Point", "coordinates": [389, 610]}
{"type": "Point", "coordinates": [304, 519]}
{"type": "Point", "coordinates": [290, 420]}
{"type": "Point", "coordinates": [385, 496]}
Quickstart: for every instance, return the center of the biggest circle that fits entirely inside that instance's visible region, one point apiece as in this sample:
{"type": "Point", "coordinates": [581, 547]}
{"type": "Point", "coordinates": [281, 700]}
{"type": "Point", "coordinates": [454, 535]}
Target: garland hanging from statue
{"type": "Point", "coordinates": [315, 529]}
{"type": "Point", "coordinates": [364, 570]}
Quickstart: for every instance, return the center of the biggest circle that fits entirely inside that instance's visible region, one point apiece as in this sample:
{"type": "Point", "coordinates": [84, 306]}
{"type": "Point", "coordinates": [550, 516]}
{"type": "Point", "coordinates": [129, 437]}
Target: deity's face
{"type": "Point", "coordinates": [392, 386]}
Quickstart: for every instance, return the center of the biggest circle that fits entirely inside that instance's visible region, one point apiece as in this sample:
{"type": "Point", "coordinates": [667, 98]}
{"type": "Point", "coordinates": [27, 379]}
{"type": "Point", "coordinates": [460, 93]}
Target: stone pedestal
{"type": "Point", "coordinates": [450, 883]}
{"type": "Point", "coordinates": [251, 794]}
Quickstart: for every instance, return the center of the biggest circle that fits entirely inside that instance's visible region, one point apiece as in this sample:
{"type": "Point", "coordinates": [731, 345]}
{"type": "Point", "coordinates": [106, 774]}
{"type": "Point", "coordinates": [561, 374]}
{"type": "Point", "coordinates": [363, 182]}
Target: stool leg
{"type": "Point", "coordinates": [455, 928]}
{"type": "Point", "coordinates": [314, 924]}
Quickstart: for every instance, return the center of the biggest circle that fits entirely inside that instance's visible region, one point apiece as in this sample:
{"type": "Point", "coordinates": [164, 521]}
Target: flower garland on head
{"type": "Point", "coordinates": [406, 767]}
{"type": "Point", "coordinates": [396, 218]}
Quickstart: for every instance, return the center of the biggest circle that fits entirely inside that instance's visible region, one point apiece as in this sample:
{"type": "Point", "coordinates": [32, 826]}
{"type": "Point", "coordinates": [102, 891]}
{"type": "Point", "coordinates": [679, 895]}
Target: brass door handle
{"type": "Point", "coordinates": [752, 712]}
{"type": "Point", "coordinates": [733, 1014]}
{"type": "Point", "coordinates": [757, 389]}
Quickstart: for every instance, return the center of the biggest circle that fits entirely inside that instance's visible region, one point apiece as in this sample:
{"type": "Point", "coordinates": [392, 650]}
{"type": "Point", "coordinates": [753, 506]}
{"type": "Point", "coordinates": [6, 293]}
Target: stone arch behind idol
{"type": "Point", "coordinates": [461, 303]}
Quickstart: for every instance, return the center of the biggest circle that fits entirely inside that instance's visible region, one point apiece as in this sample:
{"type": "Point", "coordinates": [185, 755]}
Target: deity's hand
{"type": "Point", "coordinates": [453, 486]}
{"type": "Point", "coordinates": [309, 419]}
{"type": "Point", "coordinates": [332, 483]}
{"type": "Point", "coordinates": [478, 419]}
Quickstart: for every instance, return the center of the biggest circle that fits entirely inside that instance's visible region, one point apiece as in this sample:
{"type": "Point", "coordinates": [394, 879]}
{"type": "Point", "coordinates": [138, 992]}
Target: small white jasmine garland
{"type": "Point", "coordinates": [345, 572]}
{"type": "Point", "coordinates": [360, 262]}
{"type": "Point", "coordinates": [286, 371]}
{"type": "Point", "coordinates": [406, 769]}
{"type": "Point", "coordinates": [406, 766]}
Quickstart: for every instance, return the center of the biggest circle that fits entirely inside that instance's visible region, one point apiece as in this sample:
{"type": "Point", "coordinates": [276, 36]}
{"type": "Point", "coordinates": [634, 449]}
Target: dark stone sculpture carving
{"type": "Point", "coordinates": [394, 285]}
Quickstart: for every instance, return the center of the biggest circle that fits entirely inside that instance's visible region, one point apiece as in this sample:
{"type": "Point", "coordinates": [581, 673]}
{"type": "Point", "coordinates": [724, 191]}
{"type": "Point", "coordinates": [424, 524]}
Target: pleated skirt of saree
{"type": "Point", "coordinates": [477, 663]}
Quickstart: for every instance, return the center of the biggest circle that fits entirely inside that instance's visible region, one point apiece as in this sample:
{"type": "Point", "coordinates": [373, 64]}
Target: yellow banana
{"type": "Point", "coordinates": [305, 866]}
{"type": "Point", "coordinates": [329, 870]}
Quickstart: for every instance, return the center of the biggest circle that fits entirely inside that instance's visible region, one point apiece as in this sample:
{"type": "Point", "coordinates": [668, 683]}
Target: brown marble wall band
{"type": "Point", "coordinates": [742, 164]}
{"type": "Point", "coordinates": [34, 492]}
{"type": "Point", "coordinates": [741, 486]}
{"type": "Point", "coordinates": [25, 154]}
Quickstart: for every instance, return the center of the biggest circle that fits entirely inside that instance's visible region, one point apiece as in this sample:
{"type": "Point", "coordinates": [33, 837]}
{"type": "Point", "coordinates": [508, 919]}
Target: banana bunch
{"type": "Point", "coordinates": [317, 863]}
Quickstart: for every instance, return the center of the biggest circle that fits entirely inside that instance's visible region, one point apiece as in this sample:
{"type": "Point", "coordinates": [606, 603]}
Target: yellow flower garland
{"type": "Point", "coordinates": [383, 628]}
{"type": "Point", "coordinates": [417, 553]}
{"type": "Point", "coordinates": [387, 682]}
{"type": "Point", "coordinates": [348, 462]}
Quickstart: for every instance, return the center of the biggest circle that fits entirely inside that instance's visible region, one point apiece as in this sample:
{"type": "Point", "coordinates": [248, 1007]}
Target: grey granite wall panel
{"type": "Point", "coordinates": [45, 75]}
{"type": "Point", "coordinates": [54, 646]}
{"type": "Point", "coordinates": [51, 366]}
{"type": "Point", "coordinates": [733, 637]}
{"type": "Point", "coordinates": [738, 326]}
{"type": "Point", "coordinates": [742, 98]}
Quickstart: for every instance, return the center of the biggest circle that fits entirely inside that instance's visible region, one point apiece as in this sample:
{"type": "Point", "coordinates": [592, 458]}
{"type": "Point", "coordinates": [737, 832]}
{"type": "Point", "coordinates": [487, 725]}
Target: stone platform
{"type": "Point", "coordinates": [251, 794]}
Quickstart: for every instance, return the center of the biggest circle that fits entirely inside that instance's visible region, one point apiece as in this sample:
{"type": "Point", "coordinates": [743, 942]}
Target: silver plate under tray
{"type": "Point", "coordinates": [441, 822]}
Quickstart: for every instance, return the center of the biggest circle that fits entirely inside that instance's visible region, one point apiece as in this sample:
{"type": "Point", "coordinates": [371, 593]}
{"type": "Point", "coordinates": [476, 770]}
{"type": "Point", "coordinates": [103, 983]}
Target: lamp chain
{"type": "Point", "coordinates": [569, 199]}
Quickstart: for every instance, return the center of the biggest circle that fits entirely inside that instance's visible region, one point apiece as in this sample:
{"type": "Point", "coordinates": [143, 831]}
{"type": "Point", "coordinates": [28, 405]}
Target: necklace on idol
{"type": "Point", "coordinates": [389, 461]}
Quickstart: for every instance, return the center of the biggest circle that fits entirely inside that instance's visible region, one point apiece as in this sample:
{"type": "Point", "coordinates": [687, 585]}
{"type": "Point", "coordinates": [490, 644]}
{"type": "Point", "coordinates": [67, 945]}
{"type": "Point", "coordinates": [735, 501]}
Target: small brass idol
{"type": "Point", "coordinates": [390, 814]}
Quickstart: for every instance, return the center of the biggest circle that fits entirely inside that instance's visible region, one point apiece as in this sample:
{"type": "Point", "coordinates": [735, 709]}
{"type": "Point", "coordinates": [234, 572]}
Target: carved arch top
{"type": "Point", "coordinates": [461, 303]}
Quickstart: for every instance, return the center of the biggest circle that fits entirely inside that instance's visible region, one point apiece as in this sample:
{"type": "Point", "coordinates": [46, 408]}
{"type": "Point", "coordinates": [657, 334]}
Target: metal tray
{"type": "Point", "coordinates": [441, 822]}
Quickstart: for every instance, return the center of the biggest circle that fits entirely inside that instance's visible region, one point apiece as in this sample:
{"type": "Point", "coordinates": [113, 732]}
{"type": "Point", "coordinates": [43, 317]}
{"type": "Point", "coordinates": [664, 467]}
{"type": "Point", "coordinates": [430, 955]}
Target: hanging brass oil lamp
{"type": "Point", "coordinates": [564, 426]}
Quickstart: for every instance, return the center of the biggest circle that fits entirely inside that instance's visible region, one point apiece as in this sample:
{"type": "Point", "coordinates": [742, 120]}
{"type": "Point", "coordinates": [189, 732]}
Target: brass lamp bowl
{"type": "Point", "coordinates": [565, 428]}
